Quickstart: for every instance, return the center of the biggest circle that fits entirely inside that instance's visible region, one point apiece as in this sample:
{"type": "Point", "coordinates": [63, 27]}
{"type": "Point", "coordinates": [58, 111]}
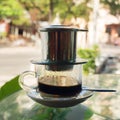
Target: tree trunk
{"type": "Point", "coordinates": [51, 8]}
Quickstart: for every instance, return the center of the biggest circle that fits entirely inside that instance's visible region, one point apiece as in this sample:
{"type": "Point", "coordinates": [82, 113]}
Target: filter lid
{"type": "Point", "coordinates": [60, 28]}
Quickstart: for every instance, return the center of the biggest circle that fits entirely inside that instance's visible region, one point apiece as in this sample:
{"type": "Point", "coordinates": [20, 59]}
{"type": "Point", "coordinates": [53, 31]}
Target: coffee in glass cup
{"type": "Point", "coordinates": [55, 83]}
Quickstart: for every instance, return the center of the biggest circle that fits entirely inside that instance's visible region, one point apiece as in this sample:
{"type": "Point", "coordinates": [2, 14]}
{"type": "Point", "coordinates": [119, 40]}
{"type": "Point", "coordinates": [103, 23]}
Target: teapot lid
{"type": "Point", "coordinates": [60, 28]}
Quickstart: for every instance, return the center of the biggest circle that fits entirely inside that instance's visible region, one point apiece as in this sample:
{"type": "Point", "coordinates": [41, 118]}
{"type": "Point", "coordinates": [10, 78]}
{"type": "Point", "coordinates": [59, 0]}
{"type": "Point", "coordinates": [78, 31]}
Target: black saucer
{"type": "Point", "coordinates": [60, 102]}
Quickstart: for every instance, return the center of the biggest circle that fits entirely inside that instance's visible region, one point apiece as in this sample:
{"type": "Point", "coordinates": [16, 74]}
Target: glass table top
{"type": "Point", "coordinates": [101, 106]}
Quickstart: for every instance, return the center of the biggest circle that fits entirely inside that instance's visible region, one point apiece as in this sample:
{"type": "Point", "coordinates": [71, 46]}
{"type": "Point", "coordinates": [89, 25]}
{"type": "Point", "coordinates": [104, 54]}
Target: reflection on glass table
{"type": "Point", "coordinates": [100, 106]}
{"type": "Point", "coordinates": [104, 105]}
{"type": "Point", "coordinates": [21, 107]}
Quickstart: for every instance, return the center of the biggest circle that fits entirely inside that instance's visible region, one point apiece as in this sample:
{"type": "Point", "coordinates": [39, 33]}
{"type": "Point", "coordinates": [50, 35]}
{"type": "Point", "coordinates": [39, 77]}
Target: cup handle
{"type": "Point", "coordinates": [28, 80]}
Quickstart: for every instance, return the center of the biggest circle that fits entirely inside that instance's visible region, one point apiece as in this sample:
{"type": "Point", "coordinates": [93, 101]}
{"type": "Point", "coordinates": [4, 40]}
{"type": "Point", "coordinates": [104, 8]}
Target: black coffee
{"type": "Point", "coordinates": [60, 90]}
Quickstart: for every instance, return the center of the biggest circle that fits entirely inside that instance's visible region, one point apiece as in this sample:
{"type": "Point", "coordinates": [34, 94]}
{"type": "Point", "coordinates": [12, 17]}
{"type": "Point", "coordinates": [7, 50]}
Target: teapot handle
{"type": "Point", "coordinates": [28, 81]}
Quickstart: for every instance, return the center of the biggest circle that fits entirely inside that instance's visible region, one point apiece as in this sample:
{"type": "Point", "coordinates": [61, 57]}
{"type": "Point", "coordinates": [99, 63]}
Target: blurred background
{"type": "Point", "coordinates": [20, 21]}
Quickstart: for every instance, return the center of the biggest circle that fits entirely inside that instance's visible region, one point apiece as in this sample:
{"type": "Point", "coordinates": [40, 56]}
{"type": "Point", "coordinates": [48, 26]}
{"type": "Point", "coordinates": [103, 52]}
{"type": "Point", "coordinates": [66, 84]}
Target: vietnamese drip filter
{"type": "Point", "coordinates": [60, 72]}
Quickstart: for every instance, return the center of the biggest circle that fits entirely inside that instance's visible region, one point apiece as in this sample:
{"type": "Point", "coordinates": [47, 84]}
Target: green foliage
{"type": "Point", "coordinates": [46, 9]}
{"type": "Point", "coordinates": [88, 114]}
{"type": "Point", "coordinates": [3, 34]}
{"type": "Point", "coordinates": [21, 21]}
{"type": "Point", "coordinates": [90, 55]}
{"type": "Point", "coordinates": [10, 9]}
{"type": "Point", "coordinates": [114, 6]}
{"type": "Point", "coordinates": [47, 113]}
{"type": "Point", "coordinates": [9, 88]}
{"type": "Point", "coordinates": [68, 9]}
{"type": "Point", "coordinates": [65, 8]}
{"type": "Point", "coordinates": [82, 10]}
{"type": "Point", "coordinates": [13, 10]}
{"type": "Point", "coordinates": [62, 7]}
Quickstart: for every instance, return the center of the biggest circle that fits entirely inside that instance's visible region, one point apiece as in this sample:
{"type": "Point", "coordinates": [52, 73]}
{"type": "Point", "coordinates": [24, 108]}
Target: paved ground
{"type": "Point", "coordinates": [15, 60]}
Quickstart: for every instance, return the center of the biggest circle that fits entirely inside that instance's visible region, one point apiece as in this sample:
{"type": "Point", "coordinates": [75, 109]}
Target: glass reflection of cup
{"type": "Point", "coordinates": [49, 83]}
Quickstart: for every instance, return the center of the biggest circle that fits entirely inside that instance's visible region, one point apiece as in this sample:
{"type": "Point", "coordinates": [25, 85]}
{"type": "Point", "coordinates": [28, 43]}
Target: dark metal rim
{"type": "Point", "coordinates": [60, 28]}
{"type": "Point", "coordinates": [47, 62]}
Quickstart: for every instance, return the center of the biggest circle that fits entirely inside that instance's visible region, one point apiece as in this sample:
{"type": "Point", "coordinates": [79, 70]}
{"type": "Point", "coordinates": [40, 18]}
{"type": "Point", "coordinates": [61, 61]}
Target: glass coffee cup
{"type": "Point", "coordinates": [51, 83]}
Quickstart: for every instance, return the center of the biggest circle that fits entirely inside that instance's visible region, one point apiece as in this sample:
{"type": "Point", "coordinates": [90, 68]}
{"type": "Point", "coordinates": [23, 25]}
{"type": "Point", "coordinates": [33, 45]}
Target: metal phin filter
{"type": "Point", "coordinates": [59, 46]}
